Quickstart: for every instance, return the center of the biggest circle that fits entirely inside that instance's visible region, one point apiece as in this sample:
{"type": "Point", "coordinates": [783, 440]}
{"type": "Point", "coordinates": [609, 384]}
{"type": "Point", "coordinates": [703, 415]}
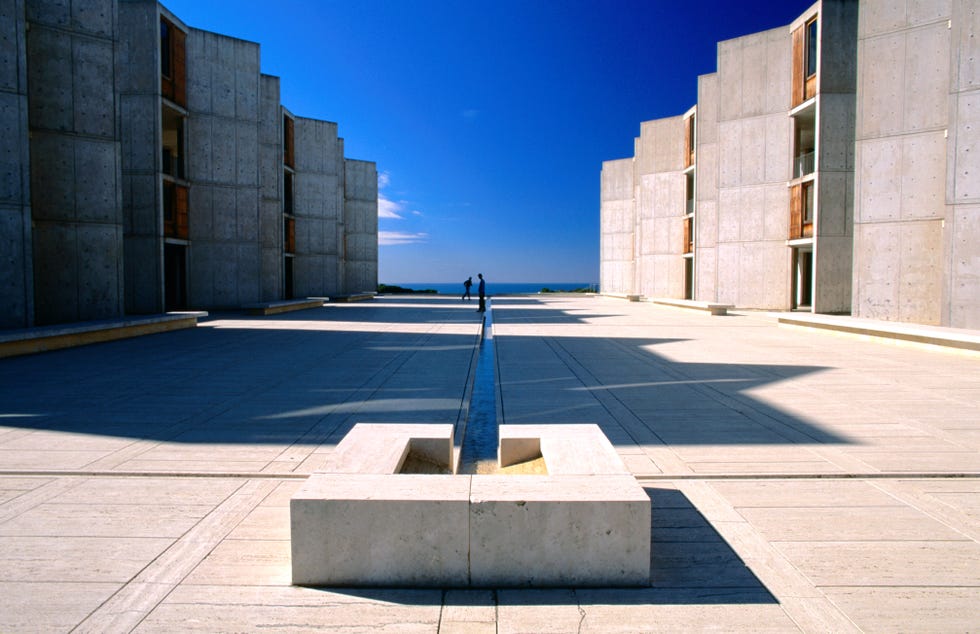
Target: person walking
{"type": "Point", "coordinates": [482, 293]}
{"type": "Point", "coordinates": [466, 285]}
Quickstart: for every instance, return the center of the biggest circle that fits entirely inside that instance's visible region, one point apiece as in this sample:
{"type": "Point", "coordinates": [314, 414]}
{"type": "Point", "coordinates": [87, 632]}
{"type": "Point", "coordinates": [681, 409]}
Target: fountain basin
{"type": "Point", "coordinates": [360, 522]}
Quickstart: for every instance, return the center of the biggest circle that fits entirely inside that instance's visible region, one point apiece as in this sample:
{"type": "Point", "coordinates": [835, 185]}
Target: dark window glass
{"type": "Point", "coordinates": [811, 49]}
{"type": "Point", "coordinates": [165, 60]}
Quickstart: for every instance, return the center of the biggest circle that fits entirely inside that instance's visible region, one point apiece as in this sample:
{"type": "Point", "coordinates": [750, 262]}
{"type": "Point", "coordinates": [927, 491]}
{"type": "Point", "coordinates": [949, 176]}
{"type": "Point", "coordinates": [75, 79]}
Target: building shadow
{"type": "Point", "coordinates": [690, 564]}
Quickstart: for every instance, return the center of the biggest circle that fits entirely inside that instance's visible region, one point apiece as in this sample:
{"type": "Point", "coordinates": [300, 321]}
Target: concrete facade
{"type": "Point", "coordinates": [74, 165]}
{"type": "Point", "coordinates": [162, 153]}
{"type": "Point", "coordinates": [16, 276]}
{"type": "Point", "coordinates": [917, 224]}
{"type": "Point", "coordinates": [361, 226]}
{"type": "Point", "coordinates": [837, 184]}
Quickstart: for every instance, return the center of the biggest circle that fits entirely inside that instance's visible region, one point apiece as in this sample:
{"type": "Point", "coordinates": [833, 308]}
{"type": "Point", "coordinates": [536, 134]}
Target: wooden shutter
{"type": "Point", "coordinates": [688, 154]}
{"type": "Point", "coordinates": [287, 141]}
{"type": "Point", "coordinates": [181, 205]}
{"type": "Point", "coordinates": [178, 40]}
{"type": "Point", "coordinates": [798, 70]}
{"type": "Point", "coordinates": [796, 212]}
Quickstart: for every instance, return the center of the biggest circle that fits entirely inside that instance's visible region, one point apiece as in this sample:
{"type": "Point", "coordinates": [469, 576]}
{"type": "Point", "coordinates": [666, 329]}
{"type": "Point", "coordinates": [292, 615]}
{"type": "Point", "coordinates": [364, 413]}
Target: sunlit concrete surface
{"type": "Point", "coordinates": [800, 480]}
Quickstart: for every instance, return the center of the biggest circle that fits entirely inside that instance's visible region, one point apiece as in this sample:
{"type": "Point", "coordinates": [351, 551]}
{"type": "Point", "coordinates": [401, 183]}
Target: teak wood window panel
{"type": "Point", "coordinates": [175, 210]}
{"type": "Point", "coordinates": [173, 63]}
{"type": "Point", "coordinates": [289, 234]}
{"type": "Point", "coordinates": [689, 138]}
{"type": "Point", "coordinates": [689, 235]}
{"type": "Point", "coordinates": [288, 154]}
{"type": "Point", "coordinates": [805, 51]}
{"type": "Point", "coordinates": [801, 211]}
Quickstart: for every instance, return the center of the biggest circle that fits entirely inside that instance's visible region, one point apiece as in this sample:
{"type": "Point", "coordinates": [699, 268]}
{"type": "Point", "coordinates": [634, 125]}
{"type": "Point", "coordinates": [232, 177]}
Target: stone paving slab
{"type": "Point", "coordinates": [799, 480]}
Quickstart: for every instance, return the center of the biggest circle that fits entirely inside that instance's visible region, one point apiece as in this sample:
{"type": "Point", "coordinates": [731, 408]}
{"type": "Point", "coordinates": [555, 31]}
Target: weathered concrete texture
{"type": "Point", "coordinates": [319, 208]}
{"type": "Point", "coordinates": [75, 162]}
{"type": "Point", "coordinates": [618, 226]}
{"type": "Point", "coordinates": [908, 146]}
{"type": "Point", "coordinates": [223, 131]}
{"type": "Point", "coordinates": [962, 192]}
{"type": "Point", "coordinates": [270, 186]}
{"type": "Point", "coordinates": [706, 190]}
{"type": "Point", "coordinates": [659, 207]}
{"type": "Point", "coordinates": [360, 226]}
{"type": "Point", "coordinates": [138, 73]}
{"type": "Point", "coordinates": [16, 263]}
{"type": "Point", "coordinates": [754, 143]}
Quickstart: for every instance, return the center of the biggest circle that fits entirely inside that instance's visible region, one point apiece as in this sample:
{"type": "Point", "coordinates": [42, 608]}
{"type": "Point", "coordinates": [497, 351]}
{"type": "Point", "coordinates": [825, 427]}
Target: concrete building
{"type": "Point", "coordinates": [825, 167]}
{"type": "Point", "coordinates": [152, 167]}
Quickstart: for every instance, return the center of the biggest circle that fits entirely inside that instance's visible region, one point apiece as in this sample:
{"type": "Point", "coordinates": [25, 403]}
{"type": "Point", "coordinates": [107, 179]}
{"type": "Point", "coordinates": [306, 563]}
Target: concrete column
{"type": "Point", "coordinates": [617, 220]}
{"type": "Point", "coordinates": [76, 202]}
{"type": "Point", "coordinates": [16, 262]}
{"type": "Point", "coordinates": [270, 185]}
{"type": "Point", "coordinates": [318, 208]}
{"type": "Point", "coordinates": [361, 226]}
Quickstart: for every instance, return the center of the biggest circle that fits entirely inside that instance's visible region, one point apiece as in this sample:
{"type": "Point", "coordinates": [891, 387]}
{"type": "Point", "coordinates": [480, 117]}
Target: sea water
{"type": "Point", "coordinates": [496, 288]}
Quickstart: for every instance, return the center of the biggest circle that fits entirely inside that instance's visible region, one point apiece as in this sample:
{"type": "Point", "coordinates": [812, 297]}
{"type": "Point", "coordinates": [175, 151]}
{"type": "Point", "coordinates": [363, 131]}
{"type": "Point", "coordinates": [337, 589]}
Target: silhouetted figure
{"type": "Point", "coordinates": [482, 292]}
{"type": "Point", "coordinates": [467, 284]}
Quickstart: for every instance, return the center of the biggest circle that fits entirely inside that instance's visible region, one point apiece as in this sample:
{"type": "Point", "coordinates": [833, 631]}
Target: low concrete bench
{"type": "Point", "coordinates": [354, 297]}
{"type": "Point", "coordinates": [284, 306]}
{"type": "Point", "coordinates": [957, 338]}
{"type": "Point", "coordinates": [711, 307]}
{"type": "Point", "coordinates": [361, 522]}
{"type": "Point", "coordinates": [44, 338]}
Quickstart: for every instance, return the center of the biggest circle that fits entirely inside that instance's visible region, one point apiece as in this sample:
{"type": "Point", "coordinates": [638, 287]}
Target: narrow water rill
{"type": "Point", "coordinates": [479, 443]}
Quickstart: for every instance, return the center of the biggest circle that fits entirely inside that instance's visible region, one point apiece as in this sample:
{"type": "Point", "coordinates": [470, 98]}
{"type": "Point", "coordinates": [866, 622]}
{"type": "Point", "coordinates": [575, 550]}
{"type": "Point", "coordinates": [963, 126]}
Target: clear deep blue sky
{"type": "Point", "coordinates": [488, 120]}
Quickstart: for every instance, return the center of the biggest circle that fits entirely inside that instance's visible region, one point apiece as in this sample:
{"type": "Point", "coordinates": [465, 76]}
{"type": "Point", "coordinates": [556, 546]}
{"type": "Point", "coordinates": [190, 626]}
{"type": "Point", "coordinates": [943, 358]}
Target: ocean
{"type": "Point", "coordinates": [496, 288]}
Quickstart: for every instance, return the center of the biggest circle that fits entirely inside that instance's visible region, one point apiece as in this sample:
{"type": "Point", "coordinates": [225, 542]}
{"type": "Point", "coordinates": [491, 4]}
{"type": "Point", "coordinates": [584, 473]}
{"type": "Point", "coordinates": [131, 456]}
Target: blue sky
{"type": "Point", "coordinates": [488, 120]}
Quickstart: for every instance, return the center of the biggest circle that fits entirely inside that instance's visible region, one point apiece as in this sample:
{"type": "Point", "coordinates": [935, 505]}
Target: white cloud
{"type": "Point", "coordinates": [383, 179]}
{"type": "Point", "coordinates": [388, 208]}
{"type": "Point", "coordinates": [387, 238]}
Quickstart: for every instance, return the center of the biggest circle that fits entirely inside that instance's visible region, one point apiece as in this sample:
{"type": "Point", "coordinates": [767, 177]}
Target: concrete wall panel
{"type": "Point", "coordinates": [964, 294]}
{"type": "Point", "coordinates": [775, 206]}
{"type": "Point", "coordinates": [881, 106]}
{"type": "Point", "coordinates": [963, 182]}
{"type": "Point", "coordinates": [752, 151]}
{"type": "Point", "coordinates": [836, 205]}
{"type": "Point", "coordinates": [93, 98]}
{"type": "Point", "coordinates": [50, 79]}
{"type": "Point", "coordinates": [96, 186]}
{"type": "Point", "coordinates": [879, 180]}
{"type": "Point", "coordinates": [927, 77]}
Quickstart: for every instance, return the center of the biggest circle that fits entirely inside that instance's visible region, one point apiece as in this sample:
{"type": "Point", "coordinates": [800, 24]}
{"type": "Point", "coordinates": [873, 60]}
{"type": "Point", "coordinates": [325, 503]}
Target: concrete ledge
{"type": "Point", "coordinates": [381, 448]}
{"type": "Point", "coordinates": [354, 297]}
{"type": "Point", "coordinates": [567, 449]}
{"type": "Point", "coordinates": [285, 306]}
{"type": "Point", "coordinates": [45, 338]}
{"type": "Point", "coordinates": [629, 298]}
{"type": "Point", "coordinates": [930, 335]}
{"type": "Point", "coordinates": [714, 309]}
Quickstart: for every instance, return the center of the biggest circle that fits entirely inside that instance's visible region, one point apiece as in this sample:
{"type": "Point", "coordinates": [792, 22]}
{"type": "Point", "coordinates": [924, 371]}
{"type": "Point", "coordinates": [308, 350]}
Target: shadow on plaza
{"type": "Point", "coordinates": [306, 377]}
{"type": "Point", "coordinates": [690, 564]}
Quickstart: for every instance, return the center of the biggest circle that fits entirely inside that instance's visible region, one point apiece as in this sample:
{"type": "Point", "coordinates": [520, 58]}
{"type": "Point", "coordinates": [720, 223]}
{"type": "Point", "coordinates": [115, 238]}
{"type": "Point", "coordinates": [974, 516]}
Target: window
{"type": "Point", "coordinates": [811, 48]}
{"type": "Point", "coordinates": [173, 63]}
{"type": "Point", "coordinates": [287, 141]}
{"type": "Point", "coordinates": [173, 143]}
{"type": "Point", "coordinates": [807, 194]}
{"type": "Point", "coordinates": [166, 50]}
{"type": "Point", "coordinates": [287, 194]}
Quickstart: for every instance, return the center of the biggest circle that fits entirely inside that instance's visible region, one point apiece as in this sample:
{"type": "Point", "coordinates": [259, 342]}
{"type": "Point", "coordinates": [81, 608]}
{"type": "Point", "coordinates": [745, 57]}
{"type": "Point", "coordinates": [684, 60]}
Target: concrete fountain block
{"type": "Point", "coordinates": [381, 448]}
{"type": "Point", "coordinates": [380, 530]}
{"type": "Point", "coordinates": [586, 523]}
{"type": "Point", "coordinates": [559, 531]}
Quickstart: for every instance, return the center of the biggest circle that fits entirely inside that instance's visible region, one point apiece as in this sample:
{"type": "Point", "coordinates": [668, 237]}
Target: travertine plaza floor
{"type": "Point", "coordinates": [799, 480]}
